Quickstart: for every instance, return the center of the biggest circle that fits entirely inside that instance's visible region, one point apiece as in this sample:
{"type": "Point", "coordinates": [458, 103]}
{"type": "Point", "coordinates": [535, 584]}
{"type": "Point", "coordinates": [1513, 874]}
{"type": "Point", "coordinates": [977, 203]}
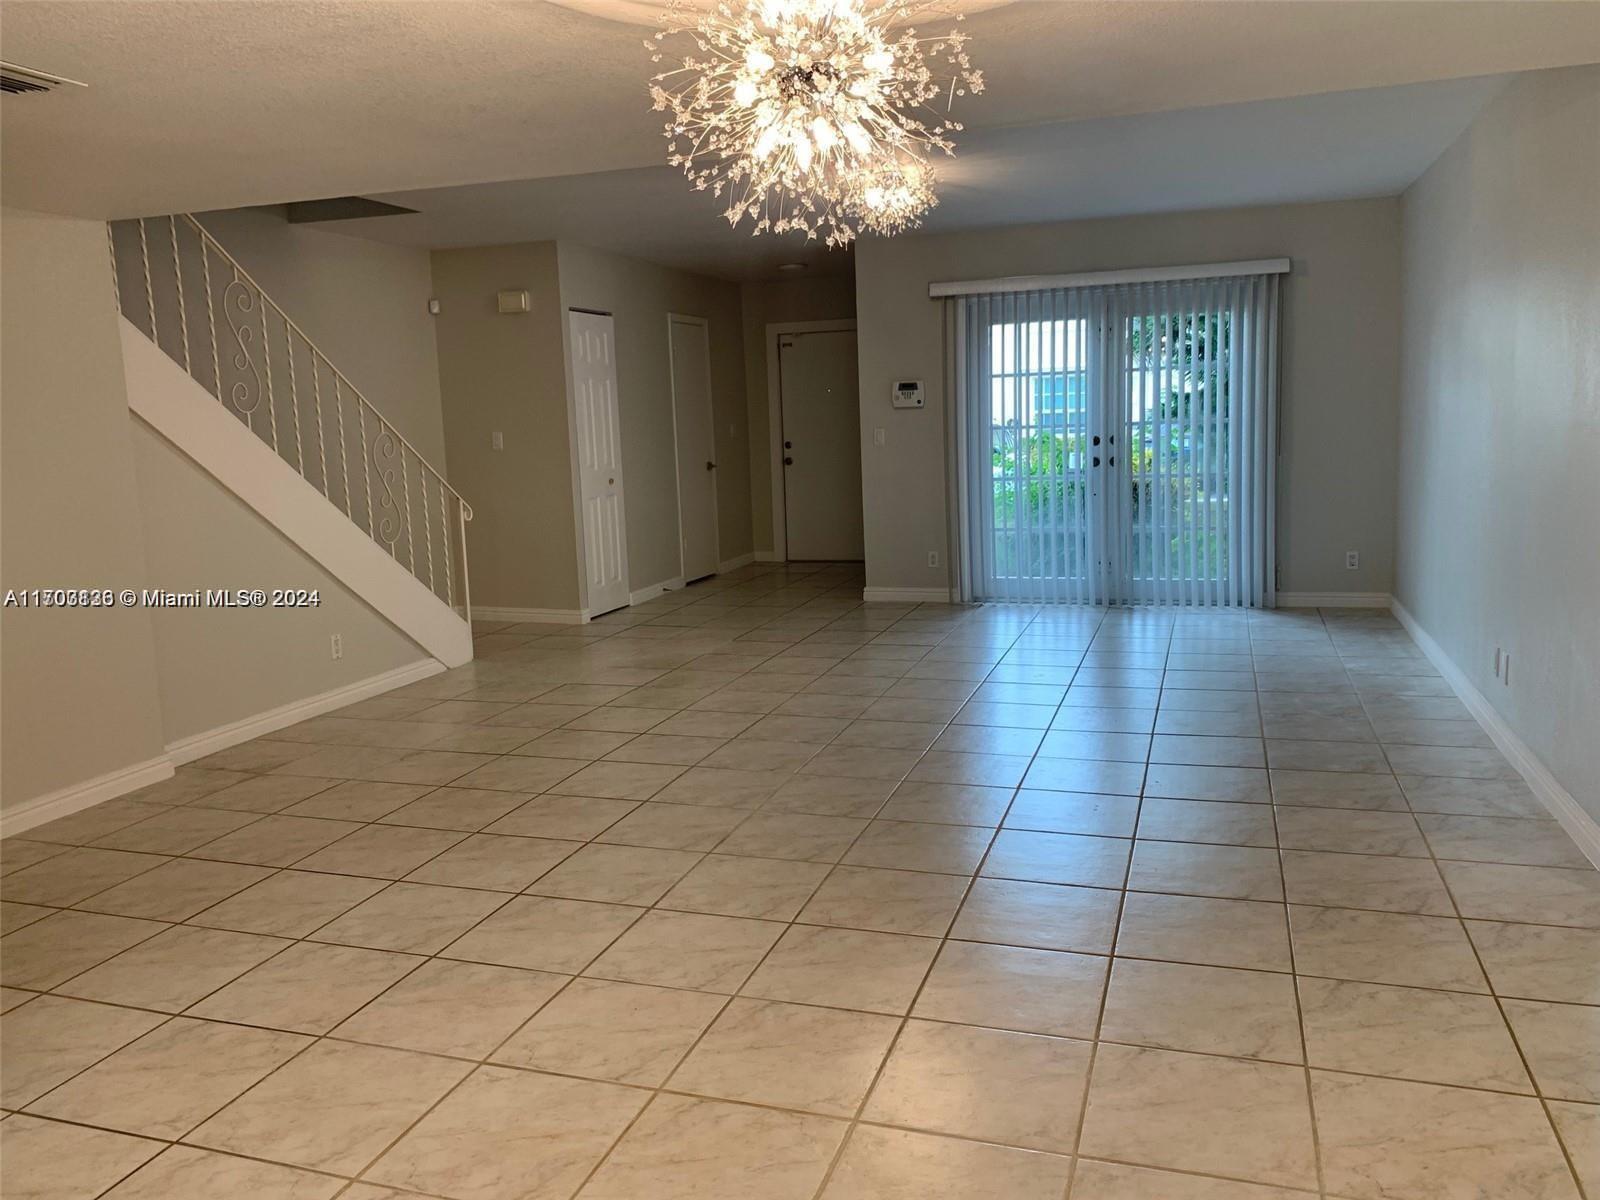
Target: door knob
{"type": "Point", "coordinates": [611, 481]}
{"type": "Point", "coordinates": [787, 461]}
{"type": "Point", "coordinates": [711, 466]}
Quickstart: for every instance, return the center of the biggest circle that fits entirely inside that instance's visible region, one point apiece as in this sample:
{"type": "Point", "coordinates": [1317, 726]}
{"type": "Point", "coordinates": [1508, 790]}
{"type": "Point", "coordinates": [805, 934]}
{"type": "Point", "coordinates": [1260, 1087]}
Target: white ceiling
{"type": "Point", "coordinates": [1336, 146]}
{"type": "Point", "coordinates": [197, 104]}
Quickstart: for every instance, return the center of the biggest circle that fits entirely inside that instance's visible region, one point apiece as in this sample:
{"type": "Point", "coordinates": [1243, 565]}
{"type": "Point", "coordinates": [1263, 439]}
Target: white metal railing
{"type": "Point", "coordinates": [174, 280]}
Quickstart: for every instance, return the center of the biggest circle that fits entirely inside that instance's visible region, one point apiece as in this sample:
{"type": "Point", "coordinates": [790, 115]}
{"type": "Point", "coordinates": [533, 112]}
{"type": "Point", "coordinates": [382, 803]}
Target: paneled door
{"type": "Point", "coordinates": [597, 434]}
{"type": "Point", "coordinates": [695, 431]}
{"type": "Point", "coordinates": [821, 446]}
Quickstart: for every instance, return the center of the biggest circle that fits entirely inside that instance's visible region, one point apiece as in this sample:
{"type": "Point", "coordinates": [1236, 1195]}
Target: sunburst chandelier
{"type": "Point", "coordinates": [817, 116]}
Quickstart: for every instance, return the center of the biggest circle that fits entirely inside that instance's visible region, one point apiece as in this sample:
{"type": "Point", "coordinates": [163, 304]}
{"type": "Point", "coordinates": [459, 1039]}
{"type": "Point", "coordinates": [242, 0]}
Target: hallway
{"type": "Point", "coordinates": [756, 892]}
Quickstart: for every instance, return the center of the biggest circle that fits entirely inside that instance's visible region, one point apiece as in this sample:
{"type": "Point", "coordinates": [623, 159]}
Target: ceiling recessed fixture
{"type": "Point", "coordinates": [812, 116]}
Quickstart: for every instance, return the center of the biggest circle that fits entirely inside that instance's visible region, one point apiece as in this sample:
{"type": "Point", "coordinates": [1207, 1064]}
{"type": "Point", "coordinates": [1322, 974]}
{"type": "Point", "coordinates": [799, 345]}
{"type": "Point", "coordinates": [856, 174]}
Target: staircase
{"type": "Point", "coordinates": [221, 371]}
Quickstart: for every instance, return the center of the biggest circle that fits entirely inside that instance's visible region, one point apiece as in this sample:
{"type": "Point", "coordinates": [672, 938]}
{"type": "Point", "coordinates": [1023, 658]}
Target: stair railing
{"type": "Point", "coordinates": [173, 281]}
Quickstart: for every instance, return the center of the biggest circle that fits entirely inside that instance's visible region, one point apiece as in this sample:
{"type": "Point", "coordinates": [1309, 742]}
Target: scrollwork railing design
{"type": "Point", "coordinates": [171, 276]}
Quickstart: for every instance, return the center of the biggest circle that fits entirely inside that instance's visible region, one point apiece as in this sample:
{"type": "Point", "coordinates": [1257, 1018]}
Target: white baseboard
{"type": "Point", "coordinates": [546, 616]}
{"type": "Point", "coordinates": [651, 591]}
{"type": "Point", "coordinates": [733, 564]}
{"type": "Point", "coordinates": [768, 556]}
{"type": "Point", "coordinates": [198, 745]}
{"type": "Point", "coordinates": [1333, 599]}
{"type": "Point", "coordinates": [65, 801]}
{"type": "Point", "coordinates": [897, 595]}
{"type": "Point", "coordinates": [1583, 828]}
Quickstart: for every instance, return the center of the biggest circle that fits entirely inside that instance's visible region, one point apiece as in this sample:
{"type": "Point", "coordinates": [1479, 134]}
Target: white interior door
{"type": "Point", "coordinates": [696, 437]}
{"type": "Point", "coordinates": [597, 432]}
{"type": "Point", "coordinates": [821, 445]}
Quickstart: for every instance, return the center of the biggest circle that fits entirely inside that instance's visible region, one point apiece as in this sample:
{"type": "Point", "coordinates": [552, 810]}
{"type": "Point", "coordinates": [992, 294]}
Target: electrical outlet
{"type": "Point", "coordinates": [933, 558]}
{"type": "Point", "coordinates": [497, 441]}
{"type": "Point", "coordinates": [877, 437]}
{"type": "Point", "coordinates": [336, 646]}
{"type": "Point", "coordinates": [1352, 560]}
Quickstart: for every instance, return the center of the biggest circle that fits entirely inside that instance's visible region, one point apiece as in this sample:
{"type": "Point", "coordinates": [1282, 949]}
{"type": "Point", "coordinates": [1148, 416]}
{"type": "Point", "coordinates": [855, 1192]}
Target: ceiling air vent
{"type": "Point", "coordinates": [19, 81]}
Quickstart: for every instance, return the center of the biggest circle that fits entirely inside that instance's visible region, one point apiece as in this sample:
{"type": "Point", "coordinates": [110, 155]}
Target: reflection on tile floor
{"type": "Point", "coordinates": [757, 892]}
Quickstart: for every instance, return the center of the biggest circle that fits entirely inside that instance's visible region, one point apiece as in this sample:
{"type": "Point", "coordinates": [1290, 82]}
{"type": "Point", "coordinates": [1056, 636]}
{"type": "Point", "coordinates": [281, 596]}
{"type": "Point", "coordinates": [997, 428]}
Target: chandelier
{"type": "Point", "coordinates": [817, 116]}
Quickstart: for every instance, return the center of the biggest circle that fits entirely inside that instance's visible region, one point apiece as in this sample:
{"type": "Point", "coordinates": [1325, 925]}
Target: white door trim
{"type": "Point", "coordinates": [677, 459]}
{"type": "Point", "coordinates": [780, 515]}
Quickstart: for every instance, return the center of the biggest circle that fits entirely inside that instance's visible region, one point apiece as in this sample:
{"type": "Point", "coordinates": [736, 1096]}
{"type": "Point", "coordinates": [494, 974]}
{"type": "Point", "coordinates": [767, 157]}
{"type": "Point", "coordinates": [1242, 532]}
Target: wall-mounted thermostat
{"type": "Point", "coordinates": [907, 393]}
{"type": "Point", "coordinates": [512, 302]}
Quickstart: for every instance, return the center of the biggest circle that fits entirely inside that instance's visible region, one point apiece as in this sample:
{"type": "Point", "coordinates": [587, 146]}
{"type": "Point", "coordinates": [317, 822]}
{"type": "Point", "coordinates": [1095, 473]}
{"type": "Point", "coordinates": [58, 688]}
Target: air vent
{"type": "Point", "coordinates": [19, 81]}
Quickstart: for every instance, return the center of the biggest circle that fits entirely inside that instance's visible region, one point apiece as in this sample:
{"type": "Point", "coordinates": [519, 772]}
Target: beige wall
{"type": "Point", "coordinates": [504, 373]}
{"type": "Point", "coordinates": [77, 687]}
{"type": "Point", "coordinates": [364, 303]}
{"type": "Point", "coordinates": [639, 295]}
{"type": "Point", "coordinates": [1500, 419]}
{"type": "Point", "coordinates": [829, 298]}
{"type": "Point", "coordinates": [1339, 380]}
{"type": "Point", "coordinates": [217, 666]}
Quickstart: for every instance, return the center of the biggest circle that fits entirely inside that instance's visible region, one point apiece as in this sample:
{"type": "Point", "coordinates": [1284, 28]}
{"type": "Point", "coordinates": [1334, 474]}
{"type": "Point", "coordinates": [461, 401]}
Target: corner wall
{"type": "Point", "coordinates": [1340, 368]}
{"type": "Point", "coordinates": [1499, 470]}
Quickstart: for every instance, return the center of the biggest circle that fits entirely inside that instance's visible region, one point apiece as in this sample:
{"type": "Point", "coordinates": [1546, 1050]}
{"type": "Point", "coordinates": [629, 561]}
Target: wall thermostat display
{"type": "Point", "coordinates": [907, 393]}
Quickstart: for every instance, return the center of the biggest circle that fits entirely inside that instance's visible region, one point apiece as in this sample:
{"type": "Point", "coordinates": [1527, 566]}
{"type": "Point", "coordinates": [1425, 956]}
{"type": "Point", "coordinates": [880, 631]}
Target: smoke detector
{"type": "Point", "coordinates": [18, 80]}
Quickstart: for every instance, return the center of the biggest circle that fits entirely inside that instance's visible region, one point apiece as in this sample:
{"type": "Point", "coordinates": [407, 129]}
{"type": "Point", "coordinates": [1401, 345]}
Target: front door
{"type": "Point", "coordinates": [821, 446]}
{"type": "Point", "coordinates": [597, 434]}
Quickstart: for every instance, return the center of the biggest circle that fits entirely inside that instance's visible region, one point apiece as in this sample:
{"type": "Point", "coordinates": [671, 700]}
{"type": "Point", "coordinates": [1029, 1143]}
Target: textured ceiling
{"type": "Point", "coordinates": [197, 104]}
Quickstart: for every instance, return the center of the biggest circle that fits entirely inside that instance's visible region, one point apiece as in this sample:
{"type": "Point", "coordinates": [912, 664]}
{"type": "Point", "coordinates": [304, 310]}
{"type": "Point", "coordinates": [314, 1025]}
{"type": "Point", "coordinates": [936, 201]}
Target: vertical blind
{"type": "Point", "coordinates": [1116, 444]}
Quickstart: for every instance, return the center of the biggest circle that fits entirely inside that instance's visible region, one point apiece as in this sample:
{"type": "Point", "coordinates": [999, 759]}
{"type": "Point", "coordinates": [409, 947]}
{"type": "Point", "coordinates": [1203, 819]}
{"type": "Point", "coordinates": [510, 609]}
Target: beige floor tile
{"type": "Point", "coordinates": [623, 1032]}
{"type": "Point", "coordinates": [794, 1056]}
{"type": "Point", "coordinates": [691, 950]}
{"type": "Point", "coordinates": [262, 794]}
{"type": "Point", "coordinates": [1338, 789]}
{"type": "Point", "coordinates": [1191, 1112]}
{"type": "Point", "coordinates": [1046, 916]}
{"type": "Point", "coordinates": [1378, 947]}
{"type": "Point", "coordinates": [174, 969]}
{"type": "Point", "coordinates": [289, 903]}
{"type": "Point", "coordinates": [868, 762]}
{"type": "Point", "coordinates": [1101, 745]}
{"type": "Point", "coordinates": [1010, 987]}
{"type": "Point", "coordinates": [16, 916]}
{"type": "Point", "coordinates": [618, 780]}
{"type": "Point", "coordinates": [1191, 868]}
{"type": "Point", "coordinates": [746, 887]}
{"type": "Point", "coordinates": [456, 1008]}
{"type": "Point", "coordinates": [1501, 839]}
{"type": "Point", "coordinates": [75, 875]}
{"type": "Point", "coordinates": [844, 968]}
{"type": "Point", "coordinates": [308, 988]}
{"type": "Point", "coordinates": [51, 1039]}
{"type": "Point", "coordinates": [1085, 775]}
{"type": "Point", "coordinates": [1217, 821]}
{"type": "Point", "coordinates": [519, 773]}
{"type": "Point", "coordinates": [792, 835]}
{"type": "Point", "coordinates": [1540, 895]}
{"type": "Point", "coordinates": [185, 1173]}
{"type": "Point", "coordinates": [357, 800]}
{"type": "Point", "coordinates": [1460, 762]}
{"type": "Point", "coordinates": [1382, 1138]}
{"type": "Point", "coordinates": [17, 852]}
{"type": "Point", "coordinates": [1411, 1033]}
{"type": "Point", "coordinates": [574, 743]}
{"type": "Point", "coordinates": [1306, 755]}
{"type": "Point", "coordinates": [1183, 782]}
{"type": "Point", "coordinates": [1370, 881]}
{"type": "Point", "coordinates": [1350, 831]}
{"type": "Point", "coordinates": [381, 851]}
{"type": "Point", "coordinates": [1471, 797]}
{"type": "Point", "coordinates": [1540, 962]}
{"type": "Point", "coordinates": [458, 808]}
{"type": "Point", "coordinates": [987, 1084]}
{"type": "Point", "coordinates": [887, 901]}
{"type": "Point", "coordinates": [682, 1148]}
{"type": "Point", "coordinates": [175, 830]}
{"type": "Point", "coordinates": [1116, 1181]}
{"type": "Point", "coordinates": [570, 817]}
{"type": "Point", "coordinates": [275, 841]}
{"type": "Point", "coordinates": [895, 1164]}
{"type": "Point", "coordinates": [53, 950]}
{"type": "Point", "coordinates": [675, 826]}
{"type": "Point", "coordinates": [495, 862]}
{"type": "Point", "coordinates": [1058, 858]}
{"type": "Point", "coordinates": [544, 934]}
{"type": "Point", "coordinates": [176, 890]}
{"type": "Point", "coordinates": [511, 1135]}
{"type": "Point", "coordinates": [1073, 812]}
{"type": "Point", "coordinates": [1210, 1010]}
{"type": "Point", "coordinates": [721, 787]}
{"type": "Point", "coordinates": [1562, 1044]}
{"type": "Point", "coordinates": [830, 796]}
{"type": "Point", "coordinates": [412, 918]}
{"type": "Point", "coordinates": [919, 846]}
{"type": "Point", "coordinates": [79, 829]}
{"type": "Point", "coordinates": [47, 1160]}
{"type": "Point", "coordinates": [171, 1079]}
{"type": "Point", "coordinates": [334, 1108]}
{"type": "Point", "coordinates": [1579, 1127]}
{"type": "Point", "coordinates": [947, 803]}
{"type": "Point", "coordinates": [1222, 933]}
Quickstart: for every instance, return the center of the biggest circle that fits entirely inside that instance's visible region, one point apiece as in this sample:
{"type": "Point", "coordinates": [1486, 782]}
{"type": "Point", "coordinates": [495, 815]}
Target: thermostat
{"type": "Point", "coordinates": [511, 302]}
{"type": "Point", "coordinates": [907, 393]}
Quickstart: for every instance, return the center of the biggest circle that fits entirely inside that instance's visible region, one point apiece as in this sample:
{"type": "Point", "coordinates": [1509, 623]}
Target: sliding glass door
{"type": "Point", "coordinates": [1116, 442]}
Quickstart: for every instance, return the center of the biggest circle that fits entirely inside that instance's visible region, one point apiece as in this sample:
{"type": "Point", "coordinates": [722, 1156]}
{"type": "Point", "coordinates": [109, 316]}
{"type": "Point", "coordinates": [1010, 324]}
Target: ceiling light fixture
{"type": "Point", "coordinates": [816, 116]}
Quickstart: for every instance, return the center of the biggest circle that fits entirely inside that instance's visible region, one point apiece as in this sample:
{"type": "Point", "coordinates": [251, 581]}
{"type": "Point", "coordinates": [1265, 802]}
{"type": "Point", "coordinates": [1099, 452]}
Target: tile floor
{"type": "Point", "coordinates": [756, 892]}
